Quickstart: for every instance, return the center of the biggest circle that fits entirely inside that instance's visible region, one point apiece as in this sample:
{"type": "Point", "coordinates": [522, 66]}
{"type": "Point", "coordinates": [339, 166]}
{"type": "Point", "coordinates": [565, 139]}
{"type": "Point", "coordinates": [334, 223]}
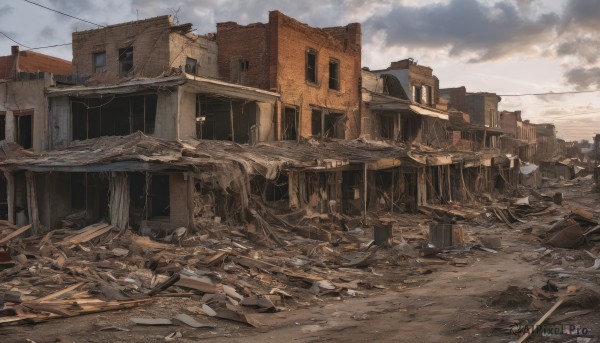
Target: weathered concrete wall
{"type": "Point", "coordinates": [166, 125]}
{"type": "Point", "coordinates": [265, 116]}
{"type": "Point", "coordinates": [200, 48]}
{"type": "Point", "coordinates": [59, 123]}
{"type": "Point", "coordinates": [187, 114]}
{"type": "Point", "coordinates": [23, 96]}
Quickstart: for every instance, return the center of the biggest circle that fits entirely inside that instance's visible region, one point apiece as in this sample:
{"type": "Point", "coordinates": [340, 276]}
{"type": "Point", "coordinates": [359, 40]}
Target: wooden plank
{"type": "Point", "coordinates": [58, 294]}
{"type": "Point", "coordinates": [540, 321]}
{"type": "Point", "coordinates": [15, 234]}
{"type": "Point", "coordinates": [89, 236]}
{"type": "Point", "coordinates": [197, 284]}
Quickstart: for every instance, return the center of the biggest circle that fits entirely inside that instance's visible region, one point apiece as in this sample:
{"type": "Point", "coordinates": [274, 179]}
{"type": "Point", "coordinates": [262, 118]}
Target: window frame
{"type": "Point", "coordinates": [123, 60]}
{"type": "Point", "coordinates": [188, 61]}
{"type": "Point", "coordinates": [315, 69]}
{"type": "Point", "coordinates": [95, 55]}
{"type": "Point", "coordinates": [336, 62]}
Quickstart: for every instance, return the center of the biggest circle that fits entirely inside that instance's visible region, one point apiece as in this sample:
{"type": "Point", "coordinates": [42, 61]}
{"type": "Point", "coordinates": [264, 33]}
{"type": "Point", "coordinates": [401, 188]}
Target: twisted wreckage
{"type": "Point", "coordinates": [154, 184]}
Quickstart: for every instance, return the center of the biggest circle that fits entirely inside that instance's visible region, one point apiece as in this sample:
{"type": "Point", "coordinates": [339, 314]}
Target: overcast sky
{"type": "Point", "coordinates": [506, 47]}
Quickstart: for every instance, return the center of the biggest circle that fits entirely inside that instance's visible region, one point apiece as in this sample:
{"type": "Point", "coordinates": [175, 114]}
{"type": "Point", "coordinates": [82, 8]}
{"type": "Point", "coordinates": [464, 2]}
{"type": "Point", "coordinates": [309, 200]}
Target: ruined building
{"type": "Point", "coordinates": [315, 71]}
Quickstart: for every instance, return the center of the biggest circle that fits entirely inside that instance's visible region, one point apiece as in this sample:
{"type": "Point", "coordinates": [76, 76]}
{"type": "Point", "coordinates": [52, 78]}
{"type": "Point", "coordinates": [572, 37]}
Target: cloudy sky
{"type": "Point", "coordinates": [506, 46]}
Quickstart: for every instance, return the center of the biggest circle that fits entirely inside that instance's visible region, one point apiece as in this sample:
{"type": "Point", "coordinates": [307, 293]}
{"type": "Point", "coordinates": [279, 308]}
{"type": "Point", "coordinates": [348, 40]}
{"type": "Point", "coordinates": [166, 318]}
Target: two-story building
{"type": "Point", "coordinates": [400, 104]}
{"type": "Point", "coordinates": [316, 71]}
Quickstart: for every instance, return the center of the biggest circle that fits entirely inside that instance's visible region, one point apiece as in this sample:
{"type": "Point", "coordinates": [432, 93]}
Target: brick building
{"type": "Point", "coordinates": [315, 70]}
{"type": "Point", "coordinates": [143, 48]}
{"type": "Point", "coordinates": [402, 104]}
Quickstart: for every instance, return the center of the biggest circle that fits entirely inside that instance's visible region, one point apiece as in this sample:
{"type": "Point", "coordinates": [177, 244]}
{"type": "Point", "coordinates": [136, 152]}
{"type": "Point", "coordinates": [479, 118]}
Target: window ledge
{"type": "Point", "coordinates": [312, 84]}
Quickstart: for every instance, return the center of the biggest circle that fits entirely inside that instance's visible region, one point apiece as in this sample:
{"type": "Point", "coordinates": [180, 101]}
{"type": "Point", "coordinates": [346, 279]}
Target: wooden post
{"type": "Point", "coordinates": [10, 194]}
{"type": "Point", "coordinates": [231, 120]}
{"type": "Point", "coordinates": [393, 189]}
{"type": "Point", "coordinates": [365, 196]}
{"type": "Point", "coordinates": [32, 203]}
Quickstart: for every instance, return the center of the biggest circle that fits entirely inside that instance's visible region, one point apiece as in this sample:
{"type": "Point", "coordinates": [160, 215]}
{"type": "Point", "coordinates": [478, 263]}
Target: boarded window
{"type": "Point", "coordinates": [97, 117]}
{"type": "Point", "coordinates": [334, 74]}
{"type": "Point", "coordinates": [191, 65]}
{"type": "Point", "coordinates": [125, 61]}
{"type": "Point", "coordinates": [100, 62]}
{"type": "Point", "coordinates": [311, 65]}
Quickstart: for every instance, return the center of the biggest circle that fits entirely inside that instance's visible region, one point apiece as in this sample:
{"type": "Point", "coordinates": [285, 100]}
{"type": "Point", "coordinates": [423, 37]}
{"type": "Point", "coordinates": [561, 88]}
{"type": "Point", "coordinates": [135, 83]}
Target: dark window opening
{"type": "Point", "coordinates": [2, 126]}
{"type": "Point", "coordinates": [429, 95]}
{"type": "Point", "coordinates": [116, 116]}
{"type": "Point", "coordinates": [213, 119]}
{"type": "Point", "coordinates": [156, 203]}
{"type": "Point", "coordinates": [316, 122]}
{"type": "Point", "coordinates": [311, 66]}
{"type": "Point", "coordinates": [386, 126]}
{"type": "Point", "coordinates": [334, 74]}
{"type": "Point", "coordinates": [290, 123]}
{"type": "Point", "coordinates": [3, 198]}
{"type": "Point", "coordinates": [125, 61]}
{"type": "Point", "coordinates": [417, 94]}
{"type": "Point", "coordinates": [334, 125]}
{"type": "Point", "coordinates": [78, 191]}
{"type": "Point", "coordinates": [191, 65]}
{"type": "Point", "coordinates": [24, 129]}
{"type": "Point", "coordinates": [244, 65]}
{"type": "Point", "coordinates": [277, 190]}
{"type": "Point", "coordinates": [161, 204]}
{"type": "Point", "coordinates": [100, 62]}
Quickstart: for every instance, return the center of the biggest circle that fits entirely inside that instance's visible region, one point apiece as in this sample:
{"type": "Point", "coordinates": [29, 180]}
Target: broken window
{"type": "Point", "coordinates": [328, 124]}
{"type": "Point", "coordinates": [386, 126]}
{"type": "Point", "coordinates": [215, 115]}
{"type": "Point", "coordinates": [125, 61]}
{"type": "Point", "coordinates": [316, 122]}
{"type": "Point", "coordinates": [100, 62]}
{"type": "Point", "coordinates": [96, 117]}
{"type": "Point", "coordinates": [417, 94]}
{"type": "Point", "coordinates": [334, 125]}
{"type": "Point", "coordinates": [429, 95]}
{"type": "Point", "coordinates": [290, 123]}
{"type": "Point", "coordinates": [334, 74]}
{"type": "Point", "coordinates": [24, 128]}
{"type": "Point", "coordinates": [311, 65]}
{"type": "Point", "coordinates": [191, 65]}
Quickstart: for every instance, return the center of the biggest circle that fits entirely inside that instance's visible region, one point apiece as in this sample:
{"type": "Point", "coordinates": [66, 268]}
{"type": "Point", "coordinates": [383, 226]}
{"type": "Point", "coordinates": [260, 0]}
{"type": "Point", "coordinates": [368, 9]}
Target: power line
{"type": "Point", "coordinates": [65, 14]}
{"type": "Point", "coordinates": [552, 93]}
{"type": "Point", "coordinates": [49, 46]}
{"type": "Point", "coordinates": [23, 45]}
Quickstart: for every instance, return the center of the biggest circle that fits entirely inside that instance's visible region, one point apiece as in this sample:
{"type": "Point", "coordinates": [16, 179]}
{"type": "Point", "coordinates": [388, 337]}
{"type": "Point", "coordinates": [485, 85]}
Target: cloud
{"type": "Point", "coordinates": [493, 31]}
{"type": "Point", "coordinates": [584, 78]}
{"type": "Point", "coordinates": [585, 48]}
{"type": "Point", "coordinates": [48, 32]}
{"type": "Point", "coordinates": [6, 9]}
{"type": "Point", "coordinates": [582, 14]}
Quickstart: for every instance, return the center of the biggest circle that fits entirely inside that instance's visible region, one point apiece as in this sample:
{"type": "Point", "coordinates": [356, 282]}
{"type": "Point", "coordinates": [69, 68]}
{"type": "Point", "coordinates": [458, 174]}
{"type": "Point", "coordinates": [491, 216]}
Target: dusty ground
{"type": "Point", "coordinates": [439, 302]}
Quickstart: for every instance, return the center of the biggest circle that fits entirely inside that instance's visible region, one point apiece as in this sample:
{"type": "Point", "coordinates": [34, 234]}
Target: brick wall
{"type": "Point", "coordinates": [276, 54]}
{"type": "Point", "coordinates": [293, 39]}
{"type": "Point", "coordinates": [508, 123]}
{"type": "Point", "coordinates": [456, 96]}
{"type": "Point", "coordinates": [243, 43]}
{"type": "Point", "coordinates": [157, 46]}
